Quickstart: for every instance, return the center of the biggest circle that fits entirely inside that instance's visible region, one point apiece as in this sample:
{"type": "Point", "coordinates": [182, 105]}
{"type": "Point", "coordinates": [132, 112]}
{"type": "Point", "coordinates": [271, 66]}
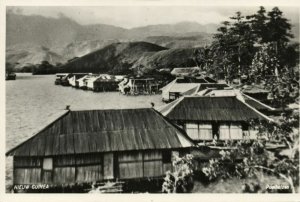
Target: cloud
{"type": "Point", "coordinates": [134, 16]}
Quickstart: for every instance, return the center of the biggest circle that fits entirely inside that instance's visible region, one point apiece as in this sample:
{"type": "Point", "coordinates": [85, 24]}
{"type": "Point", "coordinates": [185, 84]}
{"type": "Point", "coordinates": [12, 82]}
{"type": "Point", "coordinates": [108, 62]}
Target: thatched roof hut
{"type": "Point", "coordinates": [208, 118]}
{"type": "Point", "coordinates": [96, 145]}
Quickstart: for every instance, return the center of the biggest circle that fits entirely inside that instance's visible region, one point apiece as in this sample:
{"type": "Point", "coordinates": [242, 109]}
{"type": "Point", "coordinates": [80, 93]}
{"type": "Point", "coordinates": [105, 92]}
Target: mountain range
{"type": "Point", "coordinates": [52, 32]}
{"type": "Point", "coordinates": [32, 39]}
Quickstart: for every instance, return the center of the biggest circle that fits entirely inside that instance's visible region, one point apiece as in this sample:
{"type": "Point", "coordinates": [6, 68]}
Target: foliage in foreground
{"type": "Point", "coordinates": [181, 180]}
{"type": "Point", "coordinates": [249, 158]}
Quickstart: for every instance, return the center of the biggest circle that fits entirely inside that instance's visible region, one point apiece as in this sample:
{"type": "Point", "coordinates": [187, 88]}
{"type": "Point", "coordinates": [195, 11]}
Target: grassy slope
{"type": "Point", "coordinates": [166, 59]}
{"type": "Point", "coordinates": [114, 58]}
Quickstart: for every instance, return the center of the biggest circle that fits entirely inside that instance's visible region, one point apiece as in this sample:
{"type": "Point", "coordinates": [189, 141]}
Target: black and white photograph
{"type": "Point", "coordinates": [151, 98]}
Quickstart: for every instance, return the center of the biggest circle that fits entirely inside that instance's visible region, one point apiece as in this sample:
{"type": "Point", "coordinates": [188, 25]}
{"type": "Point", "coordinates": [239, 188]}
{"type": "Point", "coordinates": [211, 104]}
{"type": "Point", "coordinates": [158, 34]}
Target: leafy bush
{"type": "Point", "coordinates": [181, 180]}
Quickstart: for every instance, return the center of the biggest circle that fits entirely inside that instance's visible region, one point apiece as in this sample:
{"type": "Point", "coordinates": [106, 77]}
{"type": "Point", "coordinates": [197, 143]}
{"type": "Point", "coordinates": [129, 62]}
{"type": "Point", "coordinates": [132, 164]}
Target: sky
{"type": "Point", "coordinates": [135, 16]}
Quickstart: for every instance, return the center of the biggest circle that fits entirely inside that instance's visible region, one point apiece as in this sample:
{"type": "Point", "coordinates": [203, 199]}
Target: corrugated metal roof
{"type": "Point", "coordinates": [213, 109]}
{"type": "Point", "coordinates": [103, 131]}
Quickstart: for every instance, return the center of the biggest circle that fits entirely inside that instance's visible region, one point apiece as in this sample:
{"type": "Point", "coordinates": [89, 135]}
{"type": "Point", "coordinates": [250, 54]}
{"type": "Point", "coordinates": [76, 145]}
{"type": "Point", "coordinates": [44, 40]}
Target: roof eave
{"type": "Point", "coordinates": [267, 106]}
{"type": "Point", "coordinates": [258, 112]}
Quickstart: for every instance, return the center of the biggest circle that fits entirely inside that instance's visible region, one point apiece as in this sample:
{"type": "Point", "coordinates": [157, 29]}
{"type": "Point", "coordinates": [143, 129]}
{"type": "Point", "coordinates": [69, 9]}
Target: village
{"type": "Point", "coordinates": [228, 115]}
{"type": "Point", "coordinates": [114, 150]}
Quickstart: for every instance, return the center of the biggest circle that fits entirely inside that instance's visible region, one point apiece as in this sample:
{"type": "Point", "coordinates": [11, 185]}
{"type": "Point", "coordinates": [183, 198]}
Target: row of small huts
{"type": "Point", "coordinates": [106, 82]}
{"type": "Point", "coordinates": [88, 81]}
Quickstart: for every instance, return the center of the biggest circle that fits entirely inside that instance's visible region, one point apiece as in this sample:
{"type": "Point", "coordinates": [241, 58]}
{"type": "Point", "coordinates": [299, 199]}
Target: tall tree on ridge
{"type": "Point", "coordinates": [258, 23]}
{"type": "Point", "coordinates": [278, 32]}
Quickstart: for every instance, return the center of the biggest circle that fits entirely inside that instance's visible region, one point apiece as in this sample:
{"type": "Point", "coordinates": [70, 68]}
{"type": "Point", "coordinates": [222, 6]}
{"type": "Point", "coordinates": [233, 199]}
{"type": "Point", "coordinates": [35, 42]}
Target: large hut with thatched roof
{"type": "Point", "coordinates": [208, 118]}
{"type": "Point", "coordinates": [98, 145]}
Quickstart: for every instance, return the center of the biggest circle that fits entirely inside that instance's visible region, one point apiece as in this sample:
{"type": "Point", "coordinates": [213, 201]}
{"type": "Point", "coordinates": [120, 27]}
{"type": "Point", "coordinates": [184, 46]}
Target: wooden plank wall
{"type": "Point", "coordinates": [64, 175]}
{"type": "Point", "coordinates": [153, 165]}
{"type": "Point", "coordinates": [27, 170]}
{"type": "Point", "coordinates": [27, 175]}
{"type": "Point", "coordinates": [47, 177]}
{"type": "Point", "coordinates": [89, 173]}
{"type": "Point", "coordinates": [142, 164]}
{"type": "Point", "coordinates": [66, 169]}
{"type": "Point", "coordinates": [108, 166]}
{"type": "Point", "coordinates": [130, 165]}
{"type": "Point", "coordinates": [91, 167]}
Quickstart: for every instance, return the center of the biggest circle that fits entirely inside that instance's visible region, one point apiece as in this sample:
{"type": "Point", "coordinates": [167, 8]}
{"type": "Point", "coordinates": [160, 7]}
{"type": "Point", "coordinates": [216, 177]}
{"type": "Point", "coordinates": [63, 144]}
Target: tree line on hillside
{"type": "Point", "coordinates": [255, 48]}
{"type": "Point", "coordinates": [43, 68]}
{"type": "Point", "coordinates": [243, 38]}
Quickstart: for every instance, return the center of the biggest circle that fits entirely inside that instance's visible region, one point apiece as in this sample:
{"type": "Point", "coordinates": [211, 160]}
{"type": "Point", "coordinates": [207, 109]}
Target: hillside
{"type": "Point", "coordinates": [27, 54]}
{"type": "Point", "coordinates": [166, 59]}
{"type": "Point", "coordinates": [81, 48]}
{"type": "Point", "coordinates": [193, 41]}
{"type": "Point", "coordinates": [114, 58]}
